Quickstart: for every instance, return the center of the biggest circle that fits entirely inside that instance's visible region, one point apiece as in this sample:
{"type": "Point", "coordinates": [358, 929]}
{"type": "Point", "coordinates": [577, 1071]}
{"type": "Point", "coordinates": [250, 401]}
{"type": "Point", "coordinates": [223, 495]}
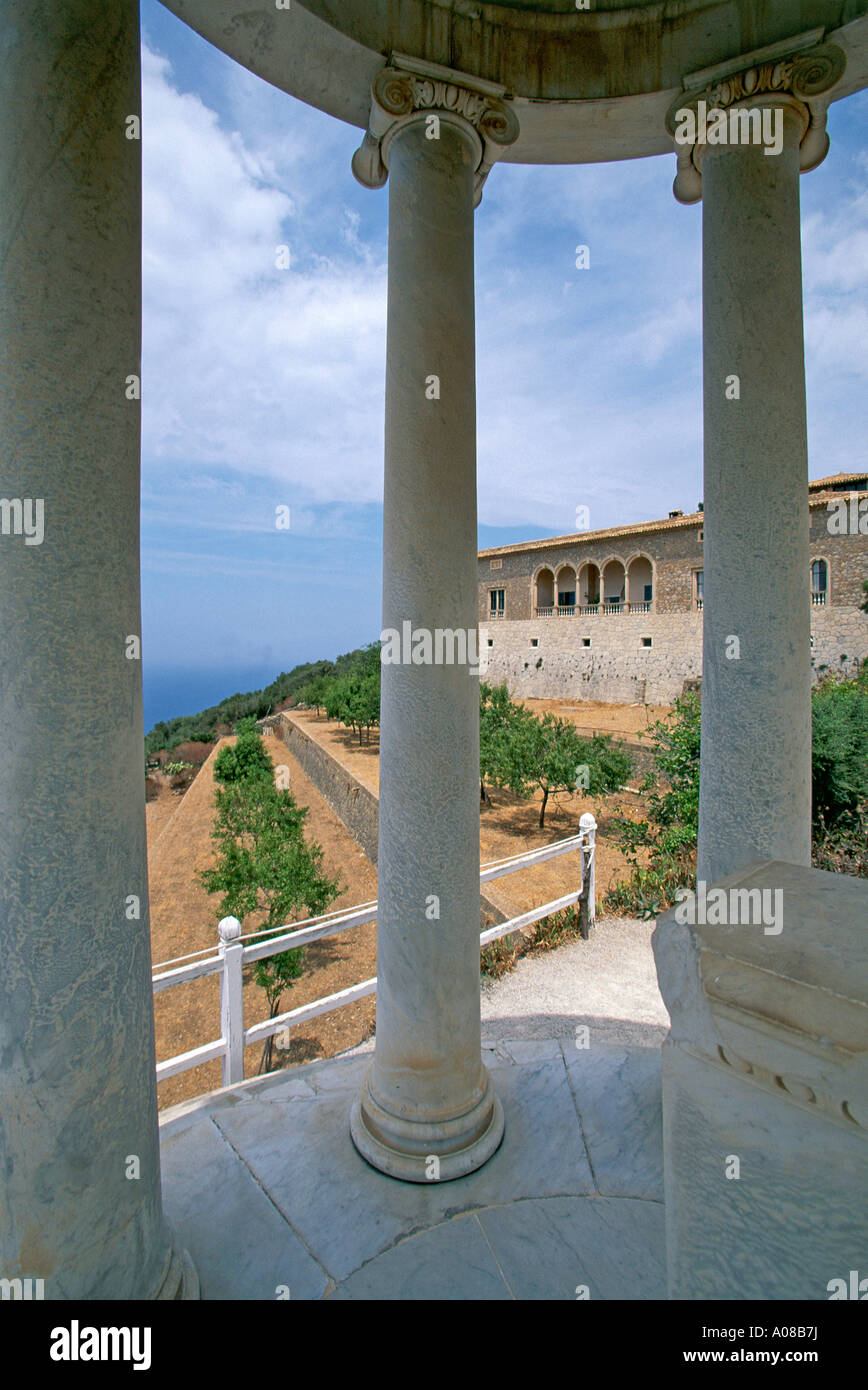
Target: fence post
{"type": "Point", "coordinates": [587, 904]}
{"type": "Point", "coordinates": [231, 1000]}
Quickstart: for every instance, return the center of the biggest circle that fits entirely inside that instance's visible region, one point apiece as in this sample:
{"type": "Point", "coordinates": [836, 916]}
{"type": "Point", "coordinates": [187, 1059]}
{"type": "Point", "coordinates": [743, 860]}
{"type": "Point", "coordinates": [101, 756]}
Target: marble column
{"type": "Point", "coordinates": [755, 777]}
{"type": "Point", "coordinates": [427, 1111]}
{"type": "Point", "coordinates": [80, 1204]}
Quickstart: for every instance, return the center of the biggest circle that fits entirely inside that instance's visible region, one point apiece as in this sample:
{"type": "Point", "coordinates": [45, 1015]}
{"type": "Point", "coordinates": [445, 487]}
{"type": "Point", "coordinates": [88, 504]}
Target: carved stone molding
{"type": "Point", "coordinates": [179, 1280]}
{"type": "Point", "coordinates": [805, 1093]}
{"type": "Point", "coordinates": [800, 80]}
{"type": "Point", "coordinates": [787, 1012]}
{"type": "Point", "coordinates": [411, 90]}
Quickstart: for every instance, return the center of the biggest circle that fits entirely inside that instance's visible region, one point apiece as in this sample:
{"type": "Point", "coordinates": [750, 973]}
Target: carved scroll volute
{"type": "Point", "coordinates": [799, 80]}
{"type": "Point", "coordinates": [399, 96]}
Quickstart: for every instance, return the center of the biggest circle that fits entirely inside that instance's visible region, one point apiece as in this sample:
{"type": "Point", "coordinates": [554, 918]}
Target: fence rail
{"type": "Point", "coordinates": [232, 955]}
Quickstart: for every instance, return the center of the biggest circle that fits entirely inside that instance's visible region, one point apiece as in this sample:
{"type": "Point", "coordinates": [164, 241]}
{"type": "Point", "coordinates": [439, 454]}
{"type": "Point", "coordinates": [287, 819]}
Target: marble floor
{"type": "Point", "coordinates": [264, 1188]}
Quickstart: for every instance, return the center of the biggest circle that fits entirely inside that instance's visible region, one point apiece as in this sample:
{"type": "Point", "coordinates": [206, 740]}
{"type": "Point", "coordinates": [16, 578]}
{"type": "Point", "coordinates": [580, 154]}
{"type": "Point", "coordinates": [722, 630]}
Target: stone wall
{"type": "Point", "coordinates": [351, 801]}
{"type": "Point", "coordinates": [617, 667]}
{"type": "Point", "coordinates": [837, 633]}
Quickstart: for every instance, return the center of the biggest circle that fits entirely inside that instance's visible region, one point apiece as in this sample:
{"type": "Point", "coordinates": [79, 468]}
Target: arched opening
{"type": "Point", "coordinates": [640, 584]}
{"type": "Point", "coordinates": [545, 593]}
{"type": "Point", "coordinates": [819, 583]}
{"type": "Point", "coordinates": [589, 587]}
{"type": "Point", "coordinates": [566, 591]}
{"type": "Point", "coordinates": [614, 587]}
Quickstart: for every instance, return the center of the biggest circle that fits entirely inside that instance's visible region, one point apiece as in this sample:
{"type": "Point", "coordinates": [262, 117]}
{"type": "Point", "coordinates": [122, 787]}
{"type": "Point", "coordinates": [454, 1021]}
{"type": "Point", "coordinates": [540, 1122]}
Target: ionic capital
{"type": "Point", "coordinates": [411, 90]}
{"type": "Point", "coordinates": [716, 104]}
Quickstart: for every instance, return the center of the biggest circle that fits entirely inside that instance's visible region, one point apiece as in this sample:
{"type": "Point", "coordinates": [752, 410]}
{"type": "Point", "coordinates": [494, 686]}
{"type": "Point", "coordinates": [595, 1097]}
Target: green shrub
{"type": "Point", "coordinates": [263, 863]}
{"type": "Point", "coordinates": [667, 839]}
{"type": "Point", "coordinates": [246, 760]}
{"type": "Point", "coordinates": [527, 754]}
{"type": "Point", "coordinates": [843, 848]}
{"type": "Point", "coordinates": [502, 955]}
{"type": "Point", "coordinates": [840, 746]}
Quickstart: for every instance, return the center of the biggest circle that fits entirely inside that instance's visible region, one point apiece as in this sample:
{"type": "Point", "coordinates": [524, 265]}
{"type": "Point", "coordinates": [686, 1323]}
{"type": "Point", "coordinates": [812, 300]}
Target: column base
{"type": "Point", "coordinates": [179, 1281]}
{"type": "Point", "coordinates": [426, 1151]}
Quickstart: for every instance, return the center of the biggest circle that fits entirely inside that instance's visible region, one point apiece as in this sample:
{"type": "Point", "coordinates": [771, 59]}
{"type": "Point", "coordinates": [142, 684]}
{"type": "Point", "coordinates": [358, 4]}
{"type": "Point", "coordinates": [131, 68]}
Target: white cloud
{"type": "Point", "coordinates": [589, 382]}
{"type": "Point", "coordinates": [246, 365]}
{"type": "Point", "coordinates": [835, 275]}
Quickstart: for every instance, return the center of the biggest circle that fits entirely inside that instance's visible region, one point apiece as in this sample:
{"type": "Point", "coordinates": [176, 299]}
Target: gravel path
{"type": "Point", "coordinates": [608, 982]}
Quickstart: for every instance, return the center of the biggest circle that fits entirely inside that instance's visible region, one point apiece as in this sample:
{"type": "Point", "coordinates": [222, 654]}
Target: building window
{"type": "Point", "coordinates": [495, 564]}
{"type": "Point", "coordinates": [534, 641]}
{"type": "Point", "coordinates": [649, 592]}
{"type": "Point", "coordinates": [819, 583]}
{"type": "Point", "coordinates": [586, 641]}
{"type": "Point", "coordinates": [699, 587]}
{"type": "Point", "coordinates": [491, 641]}
{"type": "Point", "coordinates": [700, 534]}
{"type": "Point", "coordinates": [496, 602]}
{"type": "Point", "coordinates": [646, 641]}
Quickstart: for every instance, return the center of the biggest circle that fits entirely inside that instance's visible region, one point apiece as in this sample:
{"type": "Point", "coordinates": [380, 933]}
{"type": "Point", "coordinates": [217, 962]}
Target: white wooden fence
{"type": "Point", "coordinates": [231, 956]}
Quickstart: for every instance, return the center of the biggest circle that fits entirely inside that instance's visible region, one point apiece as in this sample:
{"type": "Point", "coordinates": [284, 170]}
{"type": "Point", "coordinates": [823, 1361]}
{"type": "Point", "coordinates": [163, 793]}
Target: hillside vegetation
{"type": "Point", "coordinates": [662, 849]}
{"type": "Point", "coordinates": [220, 719]}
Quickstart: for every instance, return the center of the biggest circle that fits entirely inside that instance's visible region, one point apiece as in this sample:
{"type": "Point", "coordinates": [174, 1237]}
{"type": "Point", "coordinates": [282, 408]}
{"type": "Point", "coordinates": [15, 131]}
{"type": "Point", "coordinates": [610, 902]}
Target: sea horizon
{"type": "Point", "coordinates": [171, 692]}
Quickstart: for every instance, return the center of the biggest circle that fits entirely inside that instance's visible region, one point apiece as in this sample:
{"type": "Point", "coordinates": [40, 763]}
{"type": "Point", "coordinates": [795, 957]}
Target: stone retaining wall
{"type": "Point", "coordinates": [618, 668]}
{"type": "Point", "coordinates": [615, 668]}
{"type": "Point", "coordinates": [352, 802]}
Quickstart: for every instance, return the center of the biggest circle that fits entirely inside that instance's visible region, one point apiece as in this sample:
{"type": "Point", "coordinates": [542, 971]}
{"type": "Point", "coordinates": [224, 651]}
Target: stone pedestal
{"type": "Point", "coordinates": [765, 1089]}
{"type": "Point", "coordinates": [427, 1110]}
{"type": "Point", "coordinates": [79, 1162]}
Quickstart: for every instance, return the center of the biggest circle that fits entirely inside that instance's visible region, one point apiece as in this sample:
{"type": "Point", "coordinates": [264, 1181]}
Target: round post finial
{"type": "Point", "coordinates": [229, 928]}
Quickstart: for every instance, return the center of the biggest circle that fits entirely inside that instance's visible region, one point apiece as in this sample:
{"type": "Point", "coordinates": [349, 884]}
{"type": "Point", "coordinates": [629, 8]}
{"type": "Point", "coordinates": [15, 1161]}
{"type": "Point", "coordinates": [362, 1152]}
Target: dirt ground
{"type": "Point", "coordinates": [184, 917]}
{"type": "Point", "coordinates": [592, 717]}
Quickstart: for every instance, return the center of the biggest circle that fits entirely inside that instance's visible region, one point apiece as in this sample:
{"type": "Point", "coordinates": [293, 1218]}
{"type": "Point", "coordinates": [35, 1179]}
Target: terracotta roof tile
{"type": "Point", "coordinates": [643, 528]}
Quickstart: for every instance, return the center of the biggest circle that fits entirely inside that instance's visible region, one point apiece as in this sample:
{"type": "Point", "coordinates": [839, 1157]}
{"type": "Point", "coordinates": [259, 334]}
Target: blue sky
{"type": "Point", "coordinates": [263, 387]}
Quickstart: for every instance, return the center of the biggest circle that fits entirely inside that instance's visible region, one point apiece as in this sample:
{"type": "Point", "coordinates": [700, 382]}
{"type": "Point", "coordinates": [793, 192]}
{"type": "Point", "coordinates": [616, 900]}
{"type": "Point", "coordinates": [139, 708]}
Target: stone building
{"type": "Point", "coordinates": [633, 598]}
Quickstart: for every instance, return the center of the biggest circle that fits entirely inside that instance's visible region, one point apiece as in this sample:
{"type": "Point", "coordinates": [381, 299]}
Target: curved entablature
{"type": "Point", "coordinates": [585, 85]}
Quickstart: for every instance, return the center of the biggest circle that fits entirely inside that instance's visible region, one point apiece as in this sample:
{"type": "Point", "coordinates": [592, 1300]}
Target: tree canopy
{"type": "Point", "coordinates": [264, 865]}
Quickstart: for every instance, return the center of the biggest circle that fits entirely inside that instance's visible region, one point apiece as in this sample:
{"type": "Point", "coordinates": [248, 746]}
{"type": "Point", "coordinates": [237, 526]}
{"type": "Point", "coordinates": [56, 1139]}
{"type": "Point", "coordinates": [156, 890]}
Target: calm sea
{"type": "Point", "coordinates": [172, 692]}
